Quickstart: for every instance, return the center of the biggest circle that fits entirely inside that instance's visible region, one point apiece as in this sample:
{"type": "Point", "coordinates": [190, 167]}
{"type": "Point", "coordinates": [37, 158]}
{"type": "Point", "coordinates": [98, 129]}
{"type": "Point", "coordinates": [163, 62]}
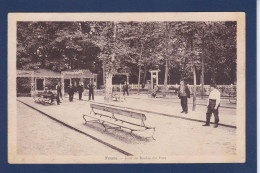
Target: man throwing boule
{"type": "Point", "coordinates": [213, 105]}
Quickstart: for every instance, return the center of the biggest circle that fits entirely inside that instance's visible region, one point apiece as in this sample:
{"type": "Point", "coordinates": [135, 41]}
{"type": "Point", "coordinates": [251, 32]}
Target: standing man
{"type": "Point", "coordinates": [125, 88]}
{"type": "Point", "coordinates": [91, 90]}
{"type": "Point", "coordinates": [213, 105]}
{"type": "Point", "coordinates": [184, 94]}
{"type": "Point", "coordinates": [80, 90]}
{"type": "Point", "coordinates": [59, 94]}
{"type": "Point", "coordinates": [71, 92]}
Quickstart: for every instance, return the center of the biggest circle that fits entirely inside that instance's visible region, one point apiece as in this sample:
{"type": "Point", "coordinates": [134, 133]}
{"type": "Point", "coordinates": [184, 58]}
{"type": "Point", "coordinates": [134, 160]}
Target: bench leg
{"type": "Point", "coordinates": [153, 134]}
{"type": "Point", "coordinates": [102, 123]}
{"type": "Point", "coordinates": [131, 133]}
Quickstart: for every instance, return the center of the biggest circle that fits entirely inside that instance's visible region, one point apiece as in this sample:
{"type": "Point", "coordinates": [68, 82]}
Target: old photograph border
{"type": "Point", "coordinates": [13, 18]}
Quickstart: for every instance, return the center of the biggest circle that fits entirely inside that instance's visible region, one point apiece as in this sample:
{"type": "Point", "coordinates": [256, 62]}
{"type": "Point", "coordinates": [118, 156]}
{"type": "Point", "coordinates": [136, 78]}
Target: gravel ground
{"type": "Point", "coordinates": [39, 135]}
{"type": "Point", "coordinates": [173, 136]}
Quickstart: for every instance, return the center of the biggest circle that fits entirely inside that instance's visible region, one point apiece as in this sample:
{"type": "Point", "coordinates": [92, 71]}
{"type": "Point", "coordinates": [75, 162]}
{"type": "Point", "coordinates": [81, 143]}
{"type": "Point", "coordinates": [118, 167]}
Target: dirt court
{"type": "Point", "coordinates": [37, 134]}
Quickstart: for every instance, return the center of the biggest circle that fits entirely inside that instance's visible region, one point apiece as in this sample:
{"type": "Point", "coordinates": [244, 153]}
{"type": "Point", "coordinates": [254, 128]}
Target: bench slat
{"type": "Point", "coordinates": [118, 123]}
{"type": "Point", "coordinates": [119, 111]}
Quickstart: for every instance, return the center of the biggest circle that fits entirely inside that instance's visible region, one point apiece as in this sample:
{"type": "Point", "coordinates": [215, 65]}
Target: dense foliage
{"type": "Point", "coordinates": [176, 48]}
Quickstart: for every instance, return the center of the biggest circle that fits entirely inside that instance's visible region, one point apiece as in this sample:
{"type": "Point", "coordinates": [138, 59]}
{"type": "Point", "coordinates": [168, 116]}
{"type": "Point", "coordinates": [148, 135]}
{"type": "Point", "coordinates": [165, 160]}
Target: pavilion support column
{"type": "Point", "coordinates": [127, 79]}
{"type": "Point", "coordinates": [157, 78]}
{"type": "Point", "coordinates": [95, 80]}
{"type": "Point", "coordinates": [32, 85]}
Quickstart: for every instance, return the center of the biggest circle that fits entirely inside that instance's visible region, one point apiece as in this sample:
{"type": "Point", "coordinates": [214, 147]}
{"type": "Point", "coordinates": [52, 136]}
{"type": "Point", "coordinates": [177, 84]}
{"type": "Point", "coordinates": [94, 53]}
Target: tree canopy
{"type": "Point", "coordinates": [173, 47]}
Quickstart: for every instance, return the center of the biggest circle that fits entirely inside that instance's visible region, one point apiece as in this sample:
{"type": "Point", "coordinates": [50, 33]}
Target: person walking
{"type": "Point", "coordinates": [71, 92]}
{"type": "Point", "coordinates": [80, 90]}
{"type": "Point", "coordinates": [125, 89]}
{"type": "Point", "coordinates": [91, 90]}
{"type": "Point", "coordinates": [213, 105]}
{"type": "Point", "coordinates": [59, 94]}
{"type": "Point", "coordinates": [184, 94]}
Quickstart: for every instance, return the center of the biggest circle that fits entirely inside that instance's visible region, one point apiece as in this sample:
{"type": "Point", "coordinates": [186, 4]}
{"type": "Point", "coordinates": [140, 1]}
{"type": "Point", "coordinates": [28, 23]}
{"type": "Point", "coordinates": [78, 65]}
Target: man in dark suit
{"type": "Point", "coordinates": [71, 92]}
{"type": "Point", "coordinates": [125, 89]}
{"type": "Point", "coordinates": [184, 94]}
{"type": "Point", "coordinates": [80, 90]}
{"type": "Point", "coordinates": [59, 94]}
{"type": "Point", "coordinates": [91, 90]}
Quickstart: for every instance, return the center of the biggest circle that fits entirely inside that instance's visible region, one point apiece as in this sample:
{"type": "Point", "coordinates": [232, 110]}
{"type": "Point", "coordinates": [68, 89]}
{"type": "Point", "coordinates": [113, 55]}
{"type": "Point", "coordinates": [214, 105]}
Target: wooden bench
{"type": "Point", "coordinates": [119, 118]}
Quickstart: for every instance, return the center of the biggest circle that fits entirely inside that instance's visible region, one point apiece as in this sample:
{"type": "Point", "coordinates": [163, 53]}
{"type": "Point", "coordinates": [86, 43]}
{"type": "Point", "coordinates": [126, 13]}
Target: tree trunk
{"type": "Point", "coordinates": [166, 76]}
{"type": "Point", "coordinates": [194, 80]}
{"type": "Point", "coordinates": [144, 77]}
{"type": "Point", "coordinates": [109, 74]}
{"type": "Point", "coordinates": [139, 76]}
{"type": "Point", "coordinates": [194, 88]}
{"type": "Point", "coordinates": [108, 87]}
{"type": "Point", "coordinates": [202, 66]}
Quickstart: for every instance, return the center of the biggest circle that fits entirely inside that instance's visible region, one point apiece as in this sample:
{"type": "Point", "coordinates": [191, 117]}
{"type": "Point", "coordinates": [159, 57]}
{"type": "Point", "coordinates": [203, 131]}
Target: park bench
{"type": "Point", "coordinates": [119, 118]}
{"type": "Point", "coordinates": [44, 97]}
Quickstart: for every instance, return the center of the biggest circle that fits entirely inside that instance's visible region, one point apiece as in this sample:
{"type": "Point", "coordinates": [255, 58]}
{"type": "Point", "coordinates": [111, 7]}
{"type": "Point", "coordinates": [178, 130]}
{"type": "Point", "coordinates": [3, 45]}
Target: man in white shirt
{"type": "Point", "coordinates": [213, 105]}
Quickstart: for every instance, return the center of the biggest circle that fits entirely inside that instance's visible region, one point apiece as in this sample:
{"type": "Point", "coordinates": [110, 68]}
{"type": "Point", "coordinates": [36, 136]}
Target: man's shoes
{"type": "Point", "coordinates": [182, 111]}
{"type": "Point", "coordinates": [206, 124]}
{"type": "Point", "coordinates": [216, 125]}
{"type": "Point", "coordinates": [186, 112]}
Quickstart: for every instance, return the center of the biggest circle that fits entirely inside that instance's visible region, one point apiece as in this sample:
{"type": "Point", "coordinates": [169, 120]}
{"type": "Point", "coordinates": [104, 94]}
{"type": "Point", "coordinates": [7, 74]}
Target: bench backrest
{"type": "Point", "coordinates": [135, 115]}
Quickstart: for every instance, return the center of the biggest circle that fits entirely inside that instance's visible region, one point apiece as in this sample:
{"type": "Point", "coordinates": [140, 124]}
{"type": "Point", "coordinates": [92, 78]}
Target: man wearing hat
{"type": "Point", "coordinates": [213, 105]}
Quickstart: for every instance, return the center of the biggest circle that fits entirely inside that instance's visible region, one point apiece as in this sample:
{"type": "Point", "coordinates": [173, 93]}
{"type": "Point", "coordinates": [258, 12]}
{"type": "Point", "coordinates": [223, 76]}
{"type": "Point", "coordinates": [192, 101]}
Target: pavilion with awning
{"type": "Point", "coordinates": [38, 80]}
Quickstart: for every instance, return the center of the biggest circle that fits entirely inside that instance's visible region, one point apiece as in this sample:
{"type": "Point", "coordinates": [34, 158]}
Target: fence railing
{"type": "Point", "coordinates": [225, 90]}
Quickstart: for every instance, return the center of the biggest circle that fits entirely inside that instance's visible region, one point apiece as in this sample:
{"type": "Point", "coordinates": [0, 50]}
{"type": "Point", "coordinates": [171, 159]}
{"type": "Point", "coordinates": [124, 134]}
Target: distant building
{"type": "Point", "coordinates": [28, 82]}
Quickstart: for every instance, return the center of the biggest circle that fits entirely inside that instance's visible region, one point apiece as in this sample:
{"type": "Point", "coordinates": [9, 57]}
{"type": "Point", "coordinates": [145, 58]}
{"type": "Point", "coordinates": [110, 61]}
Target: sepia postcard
{"type": "Point", "coordinates": [93, 88]}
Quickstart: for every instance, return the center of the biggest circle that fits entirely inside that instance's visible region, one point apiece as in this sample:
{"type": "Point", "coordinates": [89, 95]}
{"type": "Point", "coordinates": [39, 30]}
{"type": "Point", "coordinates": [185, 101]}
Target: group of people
{"type": "Point", "coordinates": [213, 102]}
{"type": "Point", "coordinates": [80, 88]}
{"type": "Point", "coordinates": [71, 90]}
